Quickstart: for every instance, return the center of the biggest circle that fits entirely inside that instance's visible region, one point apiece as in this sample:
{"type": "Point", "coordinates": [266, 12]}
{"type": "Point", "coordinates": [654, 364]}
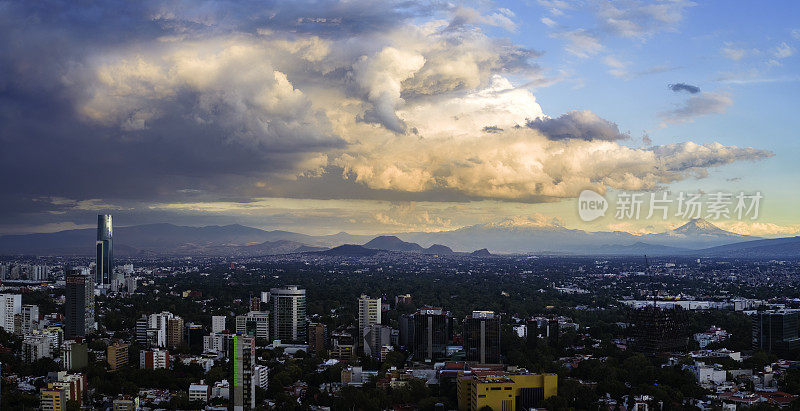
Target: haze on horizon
{"type": "Point", "coordinates": [321, 117]}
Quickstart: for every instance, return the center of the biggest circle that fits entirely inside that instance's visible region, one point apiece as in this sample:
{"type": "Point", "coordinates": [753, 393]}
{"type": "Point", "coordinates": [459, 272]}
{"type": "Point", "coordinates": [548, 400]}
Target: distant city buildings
{"type": "Point", "coordinates": [105, 255]}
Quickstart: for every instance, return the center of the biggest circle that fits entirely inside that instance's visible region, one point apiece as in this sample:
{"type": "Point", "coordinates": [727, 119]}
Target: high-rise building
{"type": "Point", "coordinates": [29, 318]}
{"type": "Point", "coordinates": [658, 330]}
{"type": "Point", "coordinates": [776, 331]}
{"type": "Point", "coordinates": [79, 307]}
{"type": "Point", "coordinates": [53, 398]}
{"type": "Point", "coordinates": [242, 365]}
{"type": "Point", "coordinates": [343, 344]}
{"type": "Point", "coordinates": [255, 303]}
{"type": "Point", "coordinates": [376, 337]}
{"type": "Point", "coordinates": [194, 336]}
{"type": "Point", "coordinates": [482, 337]}
{"type": "Point", "coordinates": [10, 305]}
{"type": "Point", "coordinates": [140, 331]}
{"type": "Point", "coordinates": [406, 330]}
{"type": "Point", "coordinates": [117, 356]}
{"type": "Point", "coordinates": [433, 330]}
{"type": "Point", "coordinates": [261, 376]}
{"type": "Point", "coordinates": [254, 324]}
{"type": "Point", "coordinates": [158, 330]}
{"type": "Point", "coordinates": [369, 313]}
{"type": "Point", "coordinates": [174, 332]}
{"type": "Point", "coordinates": [75, 355]}
{"type": "Point", "coordinates": [288, 314]}
{"type": "Point", "coordinates": [154, 359]}
{"type": "Point", "coordinates": [105, 254]}
{"type": "Point", "coordinates": [317, 338]}
{"type": "Point", "coordinates": [36, 346]}
{"type": "Point", "coordinates": [217, 323]}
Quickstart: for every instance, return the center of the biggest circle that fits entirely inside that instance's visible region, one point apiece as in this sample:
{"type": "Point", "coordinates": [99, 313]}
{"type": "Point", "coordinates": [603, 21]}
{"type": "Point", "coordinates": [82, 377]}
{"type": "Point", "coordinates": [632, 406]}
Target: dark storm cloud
{"type": "Point", "coordinates": [50, 150]}
{"type": "Point", "coordinates": [678, 87]}
{"type": "Point", "coordinates": [582, 125]}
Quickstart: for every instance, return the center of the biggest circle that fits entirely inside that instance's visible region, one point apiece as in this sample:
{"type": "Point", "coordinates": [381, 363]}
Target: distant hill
{"type": "Point", "coordinates": [788, 247]}
{"type": "Point", "coordinates": [350, 250]}
{"type": "Point", "coordinates": [638, 248]}
{"type": "Point", "coordinates": [534, 235]}
{"type": "Point", "coordinates": [481, 253]}
{"type": "Point", "coordinates": [439, 250]}
{"type": "Point", "coordinates": [393, 243]}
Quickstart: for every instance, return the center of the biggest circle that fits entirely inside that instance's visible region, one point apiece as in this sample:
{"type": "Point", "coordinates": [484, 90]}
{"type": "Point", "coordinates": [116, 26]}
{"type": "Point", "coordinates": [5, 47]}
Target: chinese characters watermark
{"type": "Point", "coordinates": [710, 206]}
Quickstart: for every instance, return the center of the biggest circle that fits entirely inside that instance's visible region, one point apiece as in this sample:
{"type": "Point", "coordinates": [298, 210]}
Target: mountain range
{"type": "Point", "coordinates": [696, 237]}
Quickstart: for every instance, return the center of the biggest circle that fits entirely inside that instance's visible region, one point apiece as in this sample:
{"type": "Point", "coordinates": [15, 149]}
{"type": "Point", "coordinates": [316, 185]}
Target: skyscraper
{"type": "Point", "coordinates": [217, 323]}
{"type": "Point", "coordinates": [369, 313]}
{"type": "Point", "coordinates": [79, 307]}
{"type": "Point", "coordinates": [288, 314]}
{"type": "Point", "coordinates": [776, 331]}
{"type": "Point", "coordinates": [10, 305]}
{"type": "Point", "coordinates": [105, 255]}
{"type": "Point", "coordinates": [433, 330]}
{"type": "Point", "coordinates": [243, 361]}
{"type": "Point", "coordinates": [482, 337]}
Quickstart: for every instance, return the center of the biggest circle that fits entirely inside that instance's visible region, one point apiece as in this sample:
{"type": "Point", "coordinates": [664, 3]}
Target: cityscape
{"type": "Point", "coordinates": [333, 205]}
{"type": "Point", "coordinates": [359, 327]}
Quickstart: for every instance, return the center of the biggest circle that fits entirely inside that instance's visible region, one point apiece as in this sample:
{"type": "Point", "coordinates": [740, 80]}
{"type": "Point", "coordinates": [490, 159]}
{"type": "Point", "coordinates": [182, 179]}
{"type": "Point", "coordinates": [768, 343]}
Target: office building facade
{"type": "Point", "coordinates": [79, 307]}
{"type": "Point", "coordinates": [217, 323]}
{"type": "Point", "coordinates": [482, 337]}
{"type": "Point", "coordinates": [105, 250]}
{"type": "Point", "coordinates": [776, 331]}
{"type": "Point", "coordinates": [288, 314]}
{"type": "Point", "coordinates": [242, 365]}
{"type": "Point", "coordinates": [10, 305]}
{"type": "Point", "coordinates": [369, 313]}
{"type": "Point", "coordinates": [433, 330]}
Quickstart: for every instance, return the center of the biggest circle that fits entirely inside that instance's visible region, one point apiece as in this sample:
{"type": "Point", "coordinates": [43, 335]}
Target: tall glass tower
{"type": "Point", "coordinates": [105, 255]}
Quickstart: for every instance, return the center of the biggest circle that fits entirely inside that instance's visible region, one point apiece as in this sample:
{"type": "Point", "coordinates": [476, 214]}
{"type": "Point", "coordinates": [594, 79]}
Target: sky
{"type": "Point", "coordinates": [388, 117]}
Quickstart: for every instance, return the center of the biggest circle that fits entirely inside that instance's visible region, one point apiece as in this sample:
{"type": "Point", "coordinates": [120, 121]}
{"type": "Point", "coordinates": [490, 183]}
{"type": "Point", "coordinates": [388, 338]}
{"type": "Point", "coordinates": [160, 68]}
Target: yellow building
{"type": "Point", "coordinates": [53, 398]}
{"type": "Point", "coordinates": [117, 356]}
{"type": "Point", "coordinates": [505, 392]}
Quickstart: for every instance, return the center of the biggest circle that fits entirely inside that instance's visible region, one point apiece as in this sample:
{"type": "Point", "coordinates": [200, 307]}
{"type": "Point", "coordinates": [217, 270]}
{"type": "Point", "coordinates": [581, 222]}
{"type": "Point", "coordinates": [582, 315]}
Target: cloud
{"type": "Point", "coordinates": [548, 22]}
{"type": "Point", "coordinates": [759, 228]}
{"type": "Point", "coordinates": [733, 53]}
{"type": "Point", "coordinates": [583, 125]}
{"type": "Point", "coordinates": [638, 19]}
{"type": "Point", "coordinates": [678, 87]}
{"type": "Point", "coordinates": [203, 103]}
{"type": "Point", "coordinates": [381, 77]}
{"type": "Point", "coordinates": [699, 105]}
{"type": "Point", "coordinates": [580, 42]}
{"type": "Point", "coordinates": [783, 51]}
{"type": "Point", "coordinates": [467, 15]}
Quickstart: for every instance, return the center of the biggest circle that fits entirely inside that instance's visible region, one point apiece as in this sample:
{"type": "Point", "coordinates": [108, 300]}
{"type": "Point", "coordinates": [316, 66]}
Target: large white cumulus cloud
{"type": "Point", "coordinates": [255, 101]}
